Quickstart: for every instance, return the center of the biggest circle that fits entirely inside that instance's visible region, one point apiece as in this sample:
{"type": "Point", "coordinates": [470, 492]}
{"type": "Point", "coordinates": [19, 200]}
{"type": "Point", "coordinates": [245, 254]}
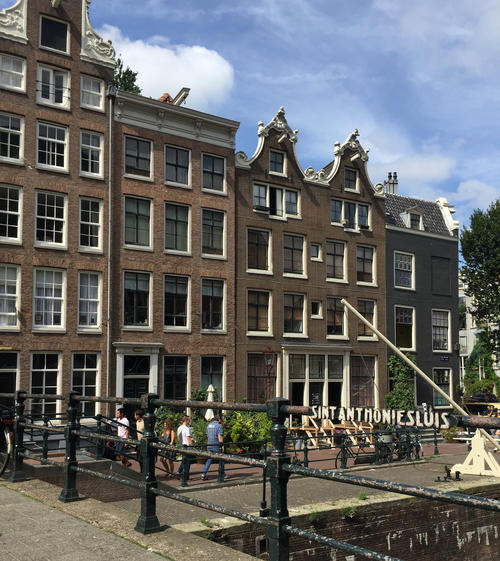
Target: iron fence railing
{"type": "Point", "coordinates": [276, 465]}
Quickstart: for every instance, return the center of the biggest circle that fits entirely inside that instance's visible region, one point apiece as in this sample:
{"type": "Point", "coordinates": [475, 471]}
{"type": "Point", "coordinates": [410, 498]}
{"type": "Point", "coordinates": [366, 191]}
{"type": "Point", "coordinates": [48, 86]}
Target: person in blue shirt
{"type": "Point", "coordinates": [214, 443]}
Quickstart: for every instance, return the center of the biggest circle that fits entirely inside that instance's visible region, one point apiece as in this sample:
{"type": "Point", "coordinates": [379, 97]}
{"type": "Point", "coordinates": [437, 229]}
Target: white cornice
{"type": "Point", "coordinates": [94, 48]}
{"type": "Point", "coordinates": [155, 115]}
{"type": "Point", "coordinates": [13, 22]}
{"type": "Point", "coordinates": [410, 232]}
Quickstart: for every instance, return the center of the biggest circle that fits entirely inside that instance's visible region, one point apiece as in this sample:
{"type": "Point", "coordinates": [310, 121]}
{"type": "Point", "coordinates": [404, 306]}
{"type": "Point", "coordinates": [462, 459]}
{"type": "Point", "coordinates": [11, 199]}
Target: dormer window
{"type": "Point", "coordinates": [276, 162]}
{"type": "Point", "coordinates": [415, 221]}
{"type": "Point", "coordinates": [350, 179]}
{"type": "Point", "coordinates": [54, 34]}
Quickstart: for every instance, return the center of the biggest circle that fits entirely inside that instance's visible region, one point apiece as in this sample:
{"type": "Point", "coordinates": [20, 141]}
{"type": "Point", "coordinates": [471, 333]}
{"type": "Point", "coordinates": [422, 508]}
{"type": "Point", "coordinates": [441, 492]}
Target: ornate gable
{"type": "Point", "coordinates": [94, 48]}
{"type": "Point", "coordinates": [13, 22]}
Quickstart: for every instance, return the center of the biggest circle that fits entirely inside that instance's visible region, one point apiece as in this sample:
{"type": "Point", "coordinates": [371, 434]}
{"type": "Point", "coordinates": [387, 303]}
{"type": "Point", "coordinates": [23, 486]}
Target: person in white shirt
{"type": "Point", "coordinates": [186, 440]}
{"type": "Point", "coordinates": [123, 432]}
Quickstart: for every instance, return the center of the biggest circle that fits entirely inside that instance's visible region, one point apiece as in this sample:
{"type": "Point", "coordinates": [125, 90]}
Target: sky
{"type": "Point", "coordinates": [419, 80]}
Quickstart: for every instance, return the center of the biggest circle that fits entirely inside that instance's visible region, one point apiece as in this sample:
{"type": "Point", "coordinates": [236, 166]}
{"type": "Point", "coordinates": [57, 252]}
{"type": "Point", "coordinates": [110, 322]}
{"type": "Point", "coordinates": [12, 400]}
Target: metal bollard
{"type": "Point", "coordinates": [306, 453]}
{"type": "Point", "coordinates": [148, 521]}
{"type": "Point", "coordinates": [436, 450]}
{"type": "Point", "coordinates": [69, 492]}
{"type": "Point", "coordinates": [45, 438]}
{"type": "Point", "coordinates": [279, 542]}
{"type": "Point", "coordinates": [99, 447]}
{"type": "Point", "coordinates": [18, 473]}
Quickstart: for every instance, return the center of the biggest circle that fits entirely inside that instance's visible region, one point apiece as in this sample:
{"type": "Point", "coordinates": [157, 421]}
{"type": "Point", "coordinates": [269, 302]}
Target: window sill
{"type": "Point", "coordinates": [295, 276]}
{"type": "Point", "coordinates": [10, 242]}
{"type": "Point", "coordinates": [296, 335]}
{"type": "Point", "coordinates": [317, 259]}
{"type": "Point", "coordinates": [176, 329]}
{"type": "Point", "coordinates": [96, 176]}
{"type": "Point", "coordinates": [338, 281]}
{"type": "Point", "coordinates": [175, 252]}
{"type": "Point", "coordinates": [89, 331]}
{"type": "Point", "coordinates": [407, 350]}
{"type": "Point", "coordinates": [213, 332]}
{"type": "Point", "coordinates": [179, 185]}
{"type": "Point", "coordinates": [404, 288]}
{"type": "Point", "coordinates": [93, 251]}
{"type": "Point", "coordinates": [259, 334]}
{"type": "Point", "coordinates": [13, 89]}
{"type": "Point", "coordinates": [350, 230]}
{"type": "Point", "coordinates": [278, 174]}
{"type": "Point", "coordinates": [136, 328]}
{"type": "Point", "coordinates": [59, 106]}
{"type": "Point", "coordinates": [12, 161]}
{"type": "Point", "coordinates": [48, 329]}
{"type": "Point", "coordinates": [217, 257]}
{"type": "Point", "coordinates": [259, 272]}
{"type": "Point", "coordinates": [367, 338]}
{"type": "Point", "coordinates": [139, 177]}
{"type": "Point", "coordinates": [10, 329]}
{"type": "Point", "coordinates": [442, 352]}
{"type": "Point", "coordinates": [214, 192]}
{"type": "Point", "coordinates": [293, 216]}
{"type": "Point", "coordinates": [338, 337]}
{"type": "Point", "coordinates": [41, 245]}
{"type": "Point", "coordinates": [316, 317]}
{"type": "Point", "coordinates": [56, 51]}
{"type": "Point", "coordinates": [93, 108]}
{"type": "Point", "coordinates": [55, 169]}
{"type": "Point", "coordinates": [363, 283]}
{"type": "Point", "coordinates": [138, 248]}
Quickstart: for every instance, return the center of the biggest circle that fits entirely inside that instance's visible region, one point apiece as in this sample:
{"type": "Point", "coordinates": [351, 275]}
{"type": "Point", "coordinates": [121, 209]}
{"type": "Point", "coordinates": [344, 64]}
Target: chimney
{"type": "Point", "coordinates": [391, 183]}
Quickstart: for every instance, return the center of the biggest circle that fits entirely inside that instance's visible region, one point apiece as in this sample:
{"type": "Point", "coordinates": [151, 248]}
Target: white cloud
{"type": "Point", "coordinates": [477, 193]}
{"type": "Point", "coordinates": [167, 68]}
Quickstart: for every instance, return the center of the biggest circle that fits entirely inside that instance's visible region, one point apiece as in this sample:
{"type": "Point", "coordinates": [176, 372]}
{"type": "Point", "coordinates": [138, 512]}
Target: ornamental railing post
{"type": "Point", "coordinates": [69, 492]}
{"type": "Point", "coordinates": [279, 545]}
{"type": "Point", "coordinates": [148, 521]}
{"type": "Point", "coordinates": [100, 443]}
{"type": "Point", "coordinates": [18, 473]}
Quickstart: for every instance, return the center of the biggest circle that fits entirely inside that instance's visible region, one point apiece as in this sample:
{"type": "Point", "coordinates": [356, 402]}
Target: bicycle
{"type": "Point", "coordinates": [6, 438]}
{"type": "Point", "coordinates": [361, 453]}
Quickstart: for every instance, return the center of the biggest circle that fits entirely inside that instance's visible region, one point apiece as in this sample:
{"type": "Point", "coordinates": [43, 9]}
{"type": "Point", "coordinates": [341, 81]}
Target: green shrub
{"type": "Point", "coordinates": [450, 434]}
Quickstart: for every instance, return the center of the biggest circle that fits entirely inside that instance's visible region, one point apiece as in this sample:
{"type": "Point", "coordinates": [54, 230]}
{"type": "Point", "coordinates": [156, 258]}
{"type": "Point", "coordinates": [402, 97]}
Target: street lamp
{"type": "Point", "coordinates": [269, 363]}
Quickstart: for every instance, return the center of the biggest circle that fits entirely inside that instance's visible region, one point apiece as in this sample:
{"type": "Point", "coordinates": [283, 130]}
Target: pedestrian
{"type": "Point", "coordinates": [123, 431]}
{"type": "Point", "coordinates": [215, 443]}
{"type": "Point", "coordinates": [139, 429]}
{"type": "Point", "coordinates": [168, 437]}
{"type": "Point", "coordinates": [186, 441]}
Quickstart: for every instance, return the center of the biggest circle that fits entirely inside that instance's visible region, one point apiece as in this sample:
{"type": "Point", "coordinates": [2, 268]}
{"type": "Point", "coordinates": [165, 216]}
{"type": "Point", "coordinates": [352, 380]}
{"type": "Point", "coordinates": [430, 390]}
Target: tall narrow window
{"type": "Point", "coordinates": [176, 227]}
{"type": "Point", "coordinates": [88, 300]}
{"type": "Point", "coordinates": [335, 211]}
{"type": "Point", "coordinates": [335, 317]}
{"type": "Point", "coordinates": [175, 376]}
{"type": "Point", "coordinates": [212, 372]}
{"type": "Point", "coordinates": [213, 173]}
{"type": "Point", "coordinates": [11, 138]}
{"type": "Point", "coordinates": [52, 149]}
{"type": "Point", "coordinates": [258, 250]}
{"type": "Point", "coordinates": [176, 301]}
{"type": "Point", "coordinates": [177, 165]}
{"type": "Point", "coordinates": [91, 154]}
{"type": "Point", "coordinates": [335, 252]}
{"type": "Point", "coordinates": [291, 202]}
{"type": "Point", "coordinates": [137, 221]}
{"type": "Point", "coordinates": [10, 214]}
{"type": "Point", "coordinates": [440, 330]}
{"type": "Point", "coordinates": [50, 219]}
{"type": "Point", "coordinates": [84, 379]}
{"type": "Point", "coordinates": [350, 215]}
{"type": "Point", "coordinates": [136, 299]}
{"type": "Point", "coordinates": [48, 298]}
{"type": "Point", "coordinates": [293, 313]}
{"type": "Point", "coordinates": [90, 224]}
{"type": "Point", "coordinates": [441, 377]}
{"type": "Point", "coordinates": [364, 264]}
{"type": "Point", "coordinates": [350, 179]}
{"type": "Point", "coordinates": [54, 34]}
{"type": "Point", "coordinates": [137, 157]}
{"type": "Point", "coordinates": [53, 87]}
{"type": "Point", "coordinates": [403, 270]}
{"type": "Point", "coordinates": [212, 232]}
{"type": "Point", "coordinates": [276, 162]}
{"type": "Point", "coordinates": [12, 72]}
{"type": "Point", "coordinates": [9, 296]}
{"type": "Point", "coordinates": [404, 327]}
{"type": "Point", "coordinates": [212, 304]}
{"type": "Point", "coordinates": [258, 311]}
{"type": "Point", "coordinates": [367, 309]}
{"type": "Point", "coordinates": [363, 216]}
{"type": "Point", "coordinates": [44, 380]}
{"type": "Point", "coordinates": [92, 93]}
{"type": "Point", "coordinates": [293, 256]}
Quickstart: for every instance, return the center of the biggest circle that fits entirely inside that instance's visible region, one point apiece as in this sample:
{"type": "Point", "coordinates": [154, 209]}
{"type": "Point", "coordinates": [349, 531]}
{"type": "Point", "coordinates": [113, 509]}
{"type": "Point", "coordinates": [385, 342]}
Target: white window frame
{"type": "Point", "coordinates": [85, 248]}
{"type": "Point", "coordinates": [305, 307]}
{"type": "Point", "coordinates": [407, 220]}
{"type": "Point", "coordinates": [374, 267]}
{"type": "Point", "coordinates": [187, 252]}
{"type": "Point", "coordinates": [97, 374]}
{"type": "Point", "coordinates": [413, 327]}
{"type": "Point", "coordinates": [223, 328]}
{"type": "Point", "coordinates": [183, 328]}
{"type": "Point", "coordinates": [187, 185]}
{"type": "Point", "coordinates": [279, 173]}
{"type": "Point", "coordinates": [66, 86]}
{"type": "Point", "coordinates": [269, 270]}
{"type": "Point", "coordinates": [356, 188]}
{"type": "Point", "coordinates": [84, 89]}
{"type": "Point", "coordinates": [90, 328]}
{"type": "Point", "coordinates": [342, 280]}
{"type": "Point", "coordinates": [302, 275]}
{"type": "Point", "coordinates": [319, 315]}
{"type": "Point", "coordinates": [345, 319]}
{"type": "Point", "coordinates": [58, 377]}
{"type": "Point", "coordinates": [343, 220]}
{"type": "Point", "coordinates": [319, 258]}
{"type": "Point", "coordinates": [450, 382]}
{"type": "Point", "coordinates": [137, 327]}
{"type": "Point", "coordinates": [51, 327]}
{"type": "Point", "coordinates": [412, 256]}
{"type": "Point", "coordinates": [269, 331]}
{"type": "Point", "coordinates": [52, 141]}
{"type": "Point", "coordinates": [52, 245]}
{"type": "Point", "coordinates": [68, 36]}
{"type": "Point", "coordinates": [16, 297]}
{"type": "Point", "coordinates": [151, 159]}
{"type": "Point", "coordinates": [4, 57]}
{"type": "Point", "coordinates": [223, 256]}
{"type": "Point", "coordinates": [373, 336]}
{"type": "Point", "coordinates": [92, 149]}
{"type": "Point", "coordinates": [10, 132]}
{"type": "Point", "coordinates": [223, 381]}
{"type": "Point", "coordinates": [138, 246]}
{"type": "Point", "coordinates": [266, 209]}
{"type": "Point", "coordinates": [17, 240]}
{"type": "Point", "coordinates": [448, 314]}
{"type": "Point", "coordinates": [224, 179]}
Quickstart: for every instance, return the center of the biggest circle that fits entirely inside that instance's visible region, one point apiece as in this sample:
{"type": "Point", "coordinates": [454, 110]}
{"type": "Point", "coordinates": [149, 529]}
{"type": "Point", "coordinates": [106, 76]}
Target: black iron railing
{"type": "Point", "coordinates": [277, 467]}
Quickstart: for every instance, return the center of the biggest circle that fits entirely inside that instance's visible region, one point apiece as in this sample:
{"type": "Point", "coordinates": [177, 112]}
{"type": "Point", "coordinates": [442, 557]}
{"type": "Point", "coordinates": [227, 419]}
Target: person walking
{"type": "Point", "coordinates": [123, 431]}
{"type": "Point", "coordinates": [168, 437]}
{"type": "Point", "coordinates": [139, 430]}
{"type": "Point", "coordinates": [186, 440]}
{"type": "Point", "coordinates": [215, 443]}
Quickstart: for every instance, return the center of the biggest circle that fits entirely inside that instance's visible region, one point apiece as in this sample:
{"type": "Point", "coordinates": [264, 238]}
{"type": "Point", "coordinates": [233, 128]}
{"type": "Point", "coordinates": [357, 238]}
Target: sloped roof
{"type": "Point", "coordinates": [432, 217]}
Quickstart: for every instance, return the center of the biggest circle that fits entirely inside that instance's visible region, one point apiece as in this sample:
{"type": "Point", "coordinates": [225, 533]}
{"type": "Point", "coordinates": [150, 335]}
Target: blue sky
{"type": "Point", "coordinates": [420, 80]}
